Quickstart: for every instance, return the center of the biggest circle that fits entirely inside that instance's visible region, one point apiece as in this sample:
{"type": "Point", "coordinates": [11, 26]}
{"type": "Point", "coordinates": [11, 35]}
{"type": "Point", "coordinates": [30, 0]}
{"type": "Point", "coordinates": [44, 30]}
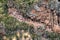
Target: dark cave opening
{"type": "Point", "coordinates": [58, 0]}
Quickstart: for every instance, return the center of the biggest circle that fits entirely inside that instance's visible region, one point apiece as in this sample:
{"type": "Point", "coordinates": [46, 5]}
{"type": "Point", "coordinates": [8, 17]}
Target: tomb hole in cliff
{"type": "Point", "coordinates": [58, 0]}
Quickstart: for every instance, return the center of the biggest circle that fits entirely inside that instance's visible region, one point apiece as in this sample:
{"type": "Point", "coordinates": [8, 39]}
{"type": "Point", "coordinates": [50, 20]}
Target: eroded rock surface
{"type": "Point", "coordinates": [38, 15]}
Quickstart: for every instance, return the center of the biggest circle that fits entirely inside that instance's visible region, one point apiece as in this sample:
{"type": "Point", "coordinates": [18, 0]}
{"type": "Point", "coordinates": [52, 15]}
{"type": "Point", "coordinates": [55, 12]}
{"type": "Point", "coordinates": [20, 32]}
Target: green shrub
{"type": "Point", "coordinates": [3, 7]}
{"type": "Point", "coordinates": [52, 35]}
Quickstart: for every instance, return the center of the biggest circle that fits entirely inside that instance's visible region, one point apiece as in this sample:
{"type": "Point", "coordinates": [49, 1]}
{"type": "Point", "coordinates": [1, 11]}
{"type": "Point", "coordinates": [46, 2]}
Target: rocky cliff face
{"type": "Point", "coordinates": [43, 16]}
{"type": "Point", "coordinates": [46, 13]}
{"type": "Point", "coordinates": [42, 12]}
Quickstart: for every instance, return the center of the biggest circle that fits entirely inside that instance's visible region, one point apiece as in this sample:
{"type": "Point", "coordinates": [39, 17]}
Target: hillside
{"type": "Point", "coordinates": [29, 20]}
